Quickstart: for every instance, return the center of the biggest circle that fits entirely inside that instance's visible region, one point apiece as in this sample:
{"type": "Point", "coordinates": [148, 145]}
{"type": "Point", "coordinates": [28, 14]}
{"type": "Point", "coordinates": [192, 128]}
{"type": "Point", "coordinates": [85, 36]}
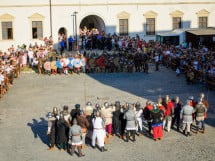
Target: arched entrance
{"type": "Point", "coordinates": [62, 33]}
{"type": "Point", "coordinates": [93, 21]}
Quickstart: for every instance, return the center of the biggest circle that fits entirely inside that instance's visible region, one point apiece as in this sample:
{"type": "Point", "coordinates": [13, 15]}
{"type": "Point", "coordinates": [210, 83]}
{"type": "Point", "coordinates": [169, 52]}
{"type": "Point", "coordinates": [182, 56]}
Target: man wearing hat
{"type": "Point", "coordinates": [75, 135]}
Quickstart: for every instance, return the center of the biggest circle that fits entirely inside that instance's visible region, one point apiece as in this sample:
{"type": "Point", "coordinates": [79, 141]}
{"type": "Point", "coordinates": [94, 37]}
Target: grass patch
{"type": "Point", "coordinates": [26, 69]}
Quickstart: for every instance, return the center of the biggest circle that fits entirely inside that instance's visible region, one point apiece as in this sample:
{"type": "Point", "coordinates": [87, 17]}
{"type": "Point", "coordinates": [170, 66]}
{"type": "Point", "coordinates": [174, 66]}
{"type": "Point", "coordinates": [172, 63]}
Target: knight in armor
{"type": "Point", "coordinates": [200, 110]}
{"type": "Point", "coordinates": [205, 102]}
{"type": "Point", "coordinates": [98, 131]}
{"type": "Point", "coordinates": [156, 115]}
{"type": "Point", "coordinates": [75, 112]}
{"type": "Point", "coordinates": [62, 132]}
{"type": "Point", "coordinates": [177, 110]}
{"type": "Point", "coordinates": [117, 119]}
{"type": "Point", "coordinates": [88, 109]}
{"type": "Point", "coordinates": [51, 132]}
{"type": "Point", "coordinates": [107, 113]}
{"type": "Point", "coordinates": [131, 122]}
{"type": "Point", "coordinates": [139, 116]}
{"type": "Point", "coordinates": [75, 135]}
{"type": "Point", "coordinates": [186, 117]}
{"type": "Point", "coordinates": [83, 122]}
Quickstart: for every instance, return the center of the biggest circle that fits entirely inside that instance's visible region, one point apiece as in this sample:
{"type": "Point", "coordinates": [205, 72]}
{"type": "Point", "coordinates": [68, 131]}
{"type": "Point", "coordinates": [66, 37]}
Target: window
{"type": "Point", "coordinates": [203, 22]}
{"type": "Point", "coordinates": [176, 23]}
{"type": "Point", "coordinates": [150, 26]}
{"type": "Point", "coordinates": [7, 30]}
{"type": "Point", "coordinates": [37, 29]}
{"type": "Point", "coordinates": [123, 27]}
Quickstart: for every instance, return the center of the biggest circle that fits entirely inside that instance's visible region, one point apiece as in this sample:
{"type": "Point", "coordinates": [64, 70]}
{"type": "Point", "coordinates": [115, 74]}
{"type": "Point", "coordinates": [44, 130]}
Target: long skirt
{"type": "Point", "coordinates": [157, 132]}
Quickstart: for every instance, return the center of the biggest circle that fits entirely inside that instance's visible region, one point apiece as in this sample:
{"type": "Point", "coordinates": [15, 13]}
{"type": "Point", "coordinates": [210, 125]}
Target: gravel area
{"type": "Point", "coordinates": [23, 121]}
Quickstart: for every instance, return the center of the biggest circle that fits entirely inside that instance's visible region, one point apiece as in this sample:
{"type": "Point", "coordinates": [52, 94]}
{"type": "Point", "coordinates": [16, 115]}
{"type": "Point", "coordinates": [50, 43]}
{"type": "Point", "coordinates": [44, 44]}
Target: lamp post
{"type": "Point", "coordinates": [75, 26]}
{"type": "Point", "coordinates": [50, 10]}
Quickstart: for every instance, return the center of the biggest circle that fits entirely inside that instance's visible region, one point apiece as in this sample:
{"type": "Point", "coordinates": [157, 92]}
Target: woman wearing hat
{"type": "Point", "coordinates": [157, 115]}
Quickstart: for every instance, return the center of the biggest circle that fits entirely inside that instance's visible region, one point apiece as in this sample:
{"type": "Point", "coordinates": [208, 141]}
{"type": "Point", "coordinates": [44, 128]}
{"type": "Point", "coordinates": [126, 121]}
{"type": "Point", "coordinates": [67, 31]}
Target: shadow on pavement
{"type": "Point", "coordinates": [210, 122]}
{"type": "Point", "coordinates": [39, 129]}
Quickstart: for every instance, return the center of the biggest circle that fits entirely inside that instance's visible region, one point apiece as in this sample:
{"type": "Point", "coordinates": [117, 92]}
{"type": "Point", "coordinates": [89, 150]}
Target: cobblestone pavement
{"type": "Point", "coordinates": [23, 121]}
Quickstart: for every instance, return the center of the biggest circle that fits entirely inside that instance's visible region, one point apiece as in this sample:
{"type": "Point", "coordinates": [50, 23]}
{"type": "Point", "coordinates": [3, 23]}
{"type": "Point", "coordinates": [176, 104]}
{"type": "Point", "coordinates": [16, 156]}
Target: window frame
{"type": "Point", "coordinates": [176, 24]}
{"type": "Point", "coordinates": [6, 18]}
{"type": "Point", "coordinates": [201, 23]}
{"type": "Point", "coordinates": [123, 27]}
{"type": "Point", "coordinates": [37, 27]}
{"type": "Point", "coordinates": [7, 37]}
{"type": "Point", "coordinates": [36, 17]}
{"type": "Point", "coordinates": [150, 32]}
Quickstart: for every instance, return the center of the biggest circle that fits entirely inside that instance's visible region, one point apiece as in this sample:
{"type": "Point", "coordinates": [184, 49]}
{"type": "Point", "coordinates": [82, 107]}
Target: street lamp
{"type": "Point", "coordinates": [50, 15]}
{"type": "Point", "coordinates": [75, 26]}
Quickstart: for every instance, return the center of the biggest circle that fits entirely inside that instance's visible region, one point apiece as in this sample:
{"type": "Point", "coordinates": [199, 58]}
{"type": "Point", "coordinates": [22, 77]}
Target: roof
{"type": "Point", "coordinates": [175, 32]}
{"type": "Point", "coordinates": [199, 32]}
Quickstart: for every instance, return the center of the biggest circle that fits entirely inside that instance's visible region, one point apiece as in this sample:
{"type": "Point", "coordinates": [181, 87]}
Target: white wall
{"type": "Point", "coordinates": [62, 11]}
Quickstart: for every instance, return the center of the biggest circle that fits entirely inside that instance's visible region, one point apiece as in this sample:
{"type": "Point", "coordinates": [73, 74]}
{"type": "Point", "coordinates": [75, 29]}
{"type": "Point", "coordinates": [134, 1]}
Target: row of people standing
{"type": "Point", "coordinates": [171, 112]}
{"type": "Point", "coordinates": [71, 130]}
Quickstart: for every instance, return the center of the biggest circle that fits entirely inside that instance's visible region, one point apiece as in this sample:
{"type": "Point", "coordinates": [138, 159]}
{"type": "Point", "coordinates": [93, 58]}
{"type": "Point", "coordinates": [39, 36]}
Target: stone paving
{"type": "Point", "coordinates": [23, 121]}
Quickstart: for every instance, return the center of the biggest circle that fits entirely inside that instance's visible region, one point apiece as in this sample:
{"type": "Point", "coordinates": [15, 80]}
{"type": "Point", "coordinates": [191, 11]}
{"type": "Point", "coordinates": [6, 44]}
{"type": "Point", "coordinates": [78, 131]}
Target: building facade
{"type": "Point", "coordinates": [28, 21]}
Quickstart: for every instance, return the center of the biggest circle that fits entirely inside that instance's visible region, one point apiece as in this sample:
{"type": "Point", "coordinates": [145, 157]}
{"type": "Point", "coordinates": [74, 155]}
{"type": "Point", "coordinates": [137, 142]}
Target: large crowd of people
{"type": "Point", "coordinates": [100, 52]}
{"type": "Point", "coordinates": [71, 130]}
{"type": "Point", "coordinates": [92, 126]}
{"type": "Point", "coordinates": [115, 54]}
{"type": "Point", "coordinates": [9, 69]}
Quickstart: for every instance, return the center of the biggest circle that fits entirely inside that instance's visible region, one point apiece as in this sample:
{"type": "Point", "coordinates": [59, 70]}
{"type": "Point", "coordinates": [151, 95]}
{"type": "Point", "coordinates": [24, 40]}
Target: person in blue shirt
{"type": "Point", "coordinates": [70, 41]}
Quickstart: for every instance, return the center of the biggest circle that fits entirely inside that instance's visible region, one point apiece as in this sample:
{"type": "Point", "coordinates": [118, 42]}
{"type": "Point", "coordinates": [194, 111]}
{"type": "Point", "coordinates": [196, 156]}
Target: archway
{"type": "Point", "coordinates": [93, 21]}
{"type": "Point", "coordinates": [62, 33]}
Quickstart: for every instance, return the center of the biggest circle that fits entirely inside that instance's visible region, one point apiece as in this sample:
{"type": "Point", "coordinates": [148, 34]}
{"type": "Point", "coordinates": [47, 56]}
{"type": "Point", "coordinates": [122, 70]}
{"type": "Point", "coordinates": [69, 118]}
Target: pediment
{"type": "Point", "coordinates": [36, 16]}
{"type": "Point", "coordinates": [203, 12]}
{"type": "Point", "coordinates": [150, 14]}
{"type": "Point", "coordinates": [123, 15]}
{"type": "Point", "coordinates": [177, 13]}
{"type": "Point", "coordinates": [6, 16]}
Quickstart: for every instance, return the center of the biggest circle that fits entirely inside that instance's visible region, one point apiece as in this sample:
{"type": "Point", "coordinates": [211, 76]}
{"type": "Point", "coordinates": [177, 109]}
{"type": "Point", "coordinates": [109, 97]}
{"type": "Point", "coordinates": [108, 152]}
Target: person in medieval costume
{"type": "Point", "coordinates": [98, 131]}
{"type": "Point", "coordinates": [75, 135]}
{"type": "Point", "coordinates": [62, 127]}
{"type": "Point", "coordinates": [186, 117]}
{"type": "Point", "coordinates": [117, 119]}
{"type": "Point", "coordinates": [51, 132]}
{"type": "Point", "coordinates": [200, 110]}
{"type": "Point", "coordinates": [156, 114]}
{"type": "Point", "coordinates": [131, 122]}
